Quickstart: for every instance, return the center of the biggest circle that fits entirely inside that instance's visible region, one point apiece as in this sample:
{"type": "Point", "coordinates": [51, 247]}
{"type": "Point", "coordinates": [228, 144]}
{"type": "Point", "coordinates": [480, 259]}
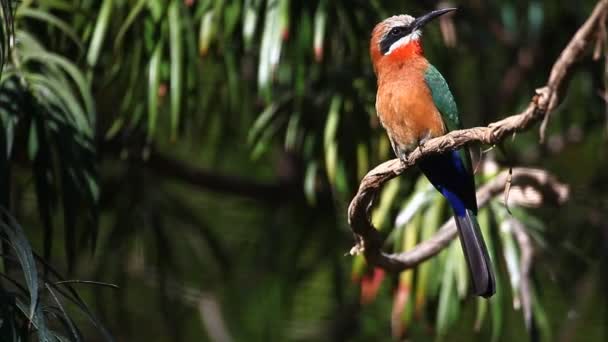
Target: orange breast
{"type": "Point", "coordinates": [404, 103]}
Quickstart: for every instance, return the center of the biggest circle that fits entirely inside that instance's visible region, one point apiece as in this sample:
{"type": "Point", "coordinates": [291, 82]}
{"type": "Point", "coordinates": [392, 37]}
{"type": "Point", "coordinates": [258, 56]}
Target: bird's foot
{"type": "Point", "coordinates": [423, 140]}
{"type": "Point", "coordinates": [357, 249]}
{"type": "Point", "coordinates": [403, 158]}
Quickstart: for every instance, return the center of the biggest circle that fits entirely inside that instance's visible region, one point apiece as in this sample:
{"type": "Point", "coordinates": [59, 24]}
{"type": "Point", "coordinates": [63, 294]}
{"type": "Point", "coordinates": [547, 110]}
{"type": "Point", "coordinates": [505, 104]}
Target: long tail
{"type": "Point", "coordinates": [450, 174]}
{"type": "Point", "coordinates": [476, 254]}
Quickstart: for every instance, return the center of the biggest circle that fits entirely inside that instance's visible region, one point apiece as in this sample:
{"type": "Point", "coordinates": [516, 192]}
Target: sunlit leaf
{"type": "Point", "coordinates": [153, 88]}
{"type": "Point", "coordinates": [319, 26]}
{"type": "Point", "coordinates": [99, 34]}
{"type": "Point", "coordinates": [176, 64]}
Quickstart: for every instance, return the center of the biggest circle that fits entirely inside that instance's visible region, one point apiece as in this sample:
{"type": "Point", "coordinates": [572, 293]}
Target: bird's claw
{"type": "Point", "coordinates": [357, 249]}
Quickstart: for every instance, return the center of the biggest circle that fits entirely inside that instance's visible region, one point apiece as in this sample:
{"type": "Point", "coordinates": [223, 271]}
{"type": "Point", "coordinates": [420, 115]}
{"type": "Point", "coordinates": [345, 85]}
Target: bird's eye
{"type": "Point", "coordinates": [396, 31]}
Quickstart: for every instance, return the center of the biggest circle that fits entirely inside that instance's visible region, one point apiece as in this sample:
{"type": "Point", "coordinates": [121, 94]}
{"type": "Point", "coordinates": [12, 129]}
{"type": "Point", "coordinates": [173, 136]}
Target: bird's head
{"type": "Point", "coordinates": [399, 36]}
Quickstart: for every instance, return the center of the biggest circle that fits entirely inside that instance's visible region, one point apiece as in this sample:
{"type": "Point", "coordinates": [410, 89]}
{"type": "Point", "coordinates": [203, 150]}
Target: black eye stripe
{"type": "Point", "coordinates": [392, 36]}
{"type": "Point", "coordinates": [395, 31]}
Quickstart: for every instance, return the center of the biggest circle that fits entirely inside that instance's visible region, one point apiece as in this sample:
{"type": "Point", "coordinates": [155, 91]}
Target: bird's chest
{"type": "Point", "coordinates": [406, 109]}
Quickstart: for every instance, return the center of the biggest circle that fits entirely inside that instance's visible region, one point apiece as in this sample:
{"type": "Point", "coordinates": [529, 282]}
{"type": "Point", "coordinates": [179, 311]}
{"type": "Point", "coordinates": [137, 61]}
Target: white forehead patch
{"type": "Point", "coordinates": [404, 41]}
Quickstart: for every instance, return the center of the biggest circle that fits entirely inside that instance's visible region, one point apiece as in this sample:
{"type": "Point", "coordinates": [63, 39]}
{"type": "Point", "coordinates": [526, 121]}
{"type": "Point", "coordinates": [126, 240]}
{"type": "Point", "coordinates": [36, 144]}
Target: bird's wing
{"type": "Point", "coordinates": [442, 97]}
{"type": "Point", "coordinates": [444, 101]}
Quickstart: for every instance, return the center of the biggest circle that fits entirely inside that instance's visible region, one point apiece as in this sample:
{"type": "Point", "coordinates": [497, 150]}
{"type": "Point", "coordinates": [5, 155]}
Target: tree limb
{"type": "Point", "coordinates": [370, 241]}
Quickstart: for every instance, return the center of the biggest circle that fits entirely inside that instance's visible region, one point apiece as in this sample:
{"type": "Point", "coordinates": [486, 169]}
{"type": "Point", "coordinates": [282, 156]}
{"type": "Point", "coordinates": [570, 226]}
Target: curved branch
{"type": "Point", "coordinates": [545, 186]}
{"type": "Point", "coordinates": [546, 99]}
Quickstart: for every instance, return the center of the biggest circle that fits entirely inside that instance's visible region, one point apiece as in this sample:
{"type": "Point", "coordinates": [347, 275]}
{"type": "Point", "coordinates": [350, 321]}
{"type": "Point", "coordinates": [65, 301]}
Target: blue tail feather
{"type": "Point", "coordinates": [449, 175]}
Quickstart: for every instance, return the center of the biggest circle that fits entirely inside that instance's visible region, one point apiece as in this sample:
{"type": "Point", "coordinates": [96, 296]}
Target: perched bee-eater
{"type": "Point", "coordinates": [414, 104]}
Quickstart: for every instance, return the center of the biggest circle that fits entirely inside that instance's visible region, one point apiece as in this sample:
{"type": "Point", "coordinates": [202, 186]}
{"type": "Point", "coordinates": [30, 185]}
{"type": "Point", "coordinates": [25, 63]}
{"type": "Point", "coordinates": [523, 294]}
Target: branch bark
{"type": "Point", "coordinates": [370, 241]}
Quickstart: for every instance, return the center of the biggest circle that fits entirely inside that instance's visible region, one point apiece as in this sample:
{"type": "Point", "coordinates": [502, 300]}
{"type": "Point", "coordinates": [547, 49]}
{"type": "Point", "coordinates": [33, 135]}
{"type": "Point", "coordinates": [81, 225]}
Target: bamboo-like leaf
{"type": "Point", "coordinates": [176, 64]}
{"type": "Point", "coordinates": [291, 134]}
{"type": "Point", "coordinates": [341, 183]}
{"type": "Point", "coordinates": [331, 162]}
{"type": "Point", "coordinates": [153, 85]}
{"type": "Point", "coordinates": [232, 14]}
{"type": "Point", "coordinates": [264, 140]}
{"type": "Point", "coordinates": [250, 19]}
{"type": "Point", "coordinates": [275, 23]}
{"type": "Point", "coordinates": [362, 160]}
{"type": "Point", "coordinates": [482, 310]}
{"type": "Point", "coordinates": [60, 5]}
{"type": "Point", "coordinates": [49, 18]}
{"type": "Point", "coordinates": [67, 291]}
{"type": "Point", "coordinates": [329, 138]}
{"type": "Point", "coordinates": [540, 318]}
{"type": "Point", "coordinates": [126, 25]}
{"type": "Point", "coordinates": [262, 122]}
{"type": "Point", "coordinates": [423, 194]}
{"type": "Point", "coordinates": [511, 256]}
{"type": "Point", "coordinates": [403, 305]}
{"type": "Point", "coordinates": [38, 321]}
{"type": "Point", "coordinates": [319, 29]}
{"type": "Point", "coordinates": [67, 318]}
{"type": "Point", "coordinates": [310, 182]}
{"type": "Point", "coordinates": [496, 307]}
{"type": "Point", "coordinates": [53, 94]}
{"type": "Point", "coordinates": [23, 251]}
{"type": "Point", "coordinates": [381, 213]}
{"type": "Point", "coordinates": [70, 69]}
{"type": "Point", "coordinates": [99, 32]}
{"type": "Point", "coordinates": [425, 287]}
{"type": "Point", "coordinates": [207, 31]}
{"type": "Point", "coordinates": [448, 309]}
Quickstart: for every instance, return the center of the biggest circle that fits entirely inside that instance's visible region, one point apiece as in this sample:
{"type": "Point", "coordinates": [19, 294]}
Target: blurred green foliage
{"type": "Point", "coordinates": [201, 154]}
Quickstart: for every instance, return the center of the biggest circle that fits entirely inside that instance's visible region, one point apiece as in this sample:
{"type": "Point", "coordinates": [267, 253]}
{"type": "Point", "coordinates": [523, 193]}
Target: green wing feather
{"type": "Point", "coordinates": [442, 97]}
{"type": "Point", "coordinates": [444, 101]}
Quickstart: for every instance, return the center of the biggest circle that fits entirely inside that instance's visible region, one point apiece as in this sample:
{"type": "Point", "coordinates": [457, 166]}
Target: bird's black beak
{"type": "Point", "coordinates": [421, 21]}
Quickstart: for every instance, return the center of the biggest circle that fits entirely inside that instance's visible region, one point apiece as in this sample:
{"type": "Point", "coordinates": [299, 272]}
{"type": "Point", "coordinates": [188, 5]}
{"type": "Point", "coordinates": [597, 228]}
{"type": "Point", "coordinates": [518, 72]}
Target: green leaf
{"type": "Point", "coordinates": [207, 31]}
{"type": "Point", "coordinates": [133, 14]}
{"type": "Point", "coordinates": [310, 182]}
{"type": "Point", "coordinates": [511, 256]}
{"type": "Point", "coordinates": [329, 138]}
{"type": "Point", "coordinates": [250, 19]}
{"type": "Point", "coordinates": [448, 308]}
{"type": "Point", "coordinates": [319, 30]}
{"type": "Point", "coordinates": [70, 69]}
{"type": "Point", "coordinates": [69, 321]}
{"type": "Point", "coordinates": [23, 251]}
{"type": "Point", "coordinates": [291, 134]}
{"type": "Point", "coordinates": [425, 286]}
{"type": "Point", "coordinates": [362, 160]}
{"type": "Point", "coordinates": [99, 32]}
{"type": "Point", "coordinates": [176, 64]}
{"type": "Point", "coordinates": [388, 194]}
{"type": "Point", "coordinates": [47, 17]}
{"type": "Point", "coordinates": [275, 24]}
{"type": "Point", "coordinates": [153, 85]}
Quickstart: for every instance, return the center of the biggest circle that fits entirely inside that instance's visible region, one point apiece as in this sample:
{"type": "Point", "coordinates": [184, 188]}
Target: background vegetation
{"type": "Point", "coordinates": [200, 155]}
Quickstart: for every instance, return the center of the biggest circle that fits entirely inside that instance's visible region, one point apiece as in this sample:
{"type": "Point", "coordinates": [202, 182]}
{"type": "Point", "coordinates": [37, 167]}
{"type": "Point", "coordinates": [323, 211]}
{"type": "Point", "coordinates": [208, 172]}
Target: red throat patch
{"type": "Point", "coordinates": [407, 51]}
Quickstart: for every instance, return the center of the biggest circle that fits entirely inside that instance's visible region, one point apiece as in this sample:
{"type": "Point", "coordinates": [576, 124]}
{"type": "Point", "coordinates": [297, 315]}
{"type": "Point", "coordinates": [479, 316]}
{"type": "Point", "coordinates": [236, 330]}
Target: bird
{"type": "Point", "coordinates": [414, 104]}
